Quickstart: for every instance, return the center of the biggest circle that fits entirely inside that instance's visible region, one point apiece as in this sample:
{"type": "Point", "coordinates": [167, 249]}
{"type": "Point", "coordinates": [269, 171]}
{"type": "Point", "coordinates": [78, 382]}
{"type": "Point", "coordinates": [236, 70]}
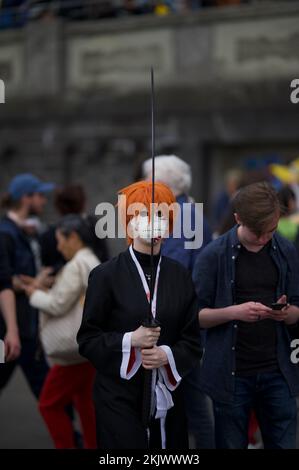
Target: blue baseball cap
{"type": "Point", "coordinates": [26, 183]}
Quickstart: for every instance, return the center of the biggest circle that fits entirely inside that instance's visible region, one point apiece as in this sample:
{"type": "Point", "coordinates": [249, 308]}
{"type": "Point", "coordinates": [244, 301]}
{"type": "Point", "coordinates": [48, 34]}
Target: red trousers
{"type": "Point", "coordinates": [253, 427]}
{"type": "Point", "coordinates": [65, 385]}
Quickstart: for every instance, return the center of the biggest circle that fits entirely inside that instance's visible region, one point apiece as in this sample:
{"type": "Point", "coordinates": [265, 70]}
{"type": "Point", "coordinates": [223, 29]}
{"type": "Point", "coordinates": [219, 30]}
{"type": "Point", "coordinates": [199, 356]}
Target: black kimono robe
{"type": "Point", "coordinates": [115, 305]}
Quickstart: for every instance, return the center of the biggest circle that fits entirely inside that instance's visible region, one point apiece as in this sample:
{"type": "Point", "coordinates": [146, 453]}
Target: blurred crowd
{"type": "Point", "coordinates": [16, 13]}
{"type": "Point", "coordinates": [284, 178]}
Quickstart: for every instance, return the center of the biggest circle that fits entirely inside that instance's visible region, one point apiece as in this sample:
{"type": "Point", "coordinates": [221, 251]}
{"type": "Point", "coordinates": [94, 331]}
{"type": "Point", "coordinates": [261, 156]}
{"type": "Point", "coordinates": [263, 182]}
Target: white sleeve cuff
{"type": "Point", "coordinates": [131, 358]}
{"type": "Point", "coordinates": [40, 299]}
{"type": "Point", "coordinates": [171, 384]}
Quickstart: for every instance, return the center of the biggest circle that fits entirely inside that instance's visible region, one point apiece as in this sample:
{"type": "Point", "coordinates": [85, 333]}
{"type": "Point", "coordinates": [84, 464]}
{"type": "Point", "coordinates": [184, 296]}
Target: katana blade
{"type": "Point", "coordinates": [153, 151]}
{"type": "Point", "coordinates": [150, 320]}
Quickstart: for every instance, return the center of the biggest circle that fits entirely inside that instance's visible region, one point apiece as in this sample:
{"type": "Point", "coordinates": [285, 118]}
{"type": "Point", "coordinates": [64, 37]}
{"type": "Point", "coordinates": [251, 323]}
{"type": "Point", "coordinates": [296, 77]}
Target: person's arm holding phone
{"type": "Point", "coordinates": [282, 311]}
{"type": "Point", "coordinates": [292, 314]}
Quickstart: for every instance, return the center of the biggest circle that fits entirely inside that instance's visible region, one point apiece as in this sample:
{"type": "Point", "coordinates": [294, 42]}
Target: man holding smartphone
{"type": "Point", "coordinates": [239, 277]}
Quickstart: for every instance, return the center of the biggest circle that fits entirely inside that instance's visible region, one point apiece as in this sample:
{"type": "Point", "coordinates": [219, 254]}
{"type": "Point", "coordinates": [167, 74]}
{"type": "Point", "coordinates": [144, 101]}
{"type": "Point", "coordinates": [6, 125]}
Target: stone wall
{"type": "Point", "coordinates": [78, 95]}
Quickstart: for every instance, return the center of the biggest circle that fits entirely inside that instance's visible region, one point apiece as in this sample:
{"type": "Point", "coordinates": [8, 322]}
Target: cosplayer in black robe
{"type": "Point", "coordinates": [115, 307]}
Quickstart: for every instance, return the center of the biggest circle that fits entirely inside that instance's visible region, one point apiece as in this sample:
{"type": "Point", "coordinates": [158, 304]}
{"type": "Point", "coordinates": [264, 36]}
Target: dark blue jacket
{"type": "Point", "coordinates": [21, 261]}
{"type": "Point", "coordinates": [174, 247]}
{"type": "Point", "coordinates": [214, 278]}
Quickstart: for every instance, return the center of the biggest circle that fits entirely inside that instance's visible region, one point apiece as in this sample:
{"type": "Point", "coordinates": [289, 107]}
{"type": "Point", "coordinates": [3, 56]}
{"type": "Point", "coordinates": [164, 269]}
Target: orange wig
{"type": "Point", "coordinates": [140, 194]}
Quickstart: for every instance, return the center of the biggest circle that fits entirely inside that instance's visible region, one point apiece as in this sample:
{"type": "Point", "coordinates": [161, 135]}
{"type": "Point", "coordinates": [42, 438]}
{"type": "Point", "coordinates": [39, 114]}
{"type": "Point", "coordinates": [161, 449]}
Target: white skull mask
{"type": "Point", "coordinates": [142, 227]}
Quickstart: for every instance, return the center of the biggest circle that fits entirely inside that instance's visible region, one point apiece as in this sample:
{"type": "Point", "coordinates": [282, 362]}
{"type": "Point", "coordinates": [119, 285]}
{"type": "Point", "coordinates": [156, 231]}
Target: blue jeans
{"type": "Point", "coordinates": [268, 394]}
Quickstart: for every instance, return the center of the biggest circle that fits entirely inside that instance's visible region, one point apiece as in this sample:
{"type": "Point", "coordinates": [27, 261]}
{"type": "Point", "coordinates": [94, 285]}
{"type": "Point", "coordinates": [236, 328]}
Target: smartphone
{"type": "Point", "coordinates": [276, 306]}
